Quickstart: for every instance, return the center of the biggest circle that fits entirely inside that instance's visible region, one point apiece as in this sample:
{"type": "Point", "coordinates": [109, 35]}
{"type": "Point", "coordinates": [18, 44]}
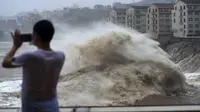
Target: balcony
{"type": "Point", "coordinates": [181, 22]}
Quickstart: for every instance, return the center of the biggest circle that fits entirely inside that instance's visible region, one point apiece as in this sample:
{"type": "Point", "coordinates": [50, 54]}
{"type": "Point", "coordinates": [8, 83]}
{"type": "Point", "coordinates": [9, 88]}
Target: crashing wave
{"type": "Point", "coordinates": [109, 65]}
{"type": "Point", "coordinates": [117, 67]}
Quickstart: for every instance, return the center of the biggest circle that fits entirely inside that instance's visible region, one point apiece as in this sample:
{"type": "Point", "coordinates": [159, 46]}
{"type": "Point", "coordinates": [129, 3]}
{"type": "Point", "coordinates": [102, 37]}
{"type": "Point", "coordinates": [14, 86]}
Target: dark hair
{"type": "Point", "coordinates": [44, 29]}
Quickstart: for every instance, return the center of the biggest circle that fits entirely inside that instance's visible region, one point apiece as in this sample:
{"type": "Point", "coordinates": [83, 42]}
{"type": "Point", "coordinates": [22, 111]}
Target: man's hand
{"type": "Point", "coordinates": [16, 39]}
{"type": "Point", "coordinates": [7, 61]}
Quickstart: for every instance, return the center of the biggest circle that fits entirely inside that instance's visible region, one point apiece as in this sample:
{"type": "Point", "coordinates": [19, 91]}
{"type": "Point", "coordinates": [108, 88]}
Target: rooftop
{"type": "Point", "coordinates": [120, 9]}
{"type": "Point", "coordinates": [191, 1]}
{"type": "Point", "coordinates": [164, 5]}
{"type": "Point", "coordinates": [140, 7]}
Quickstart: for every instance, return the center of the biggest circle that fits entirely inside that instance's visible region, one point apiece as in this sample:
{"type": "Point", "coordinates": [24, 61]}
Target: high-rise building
{"type": "Point", "coordinates": [186, 18]}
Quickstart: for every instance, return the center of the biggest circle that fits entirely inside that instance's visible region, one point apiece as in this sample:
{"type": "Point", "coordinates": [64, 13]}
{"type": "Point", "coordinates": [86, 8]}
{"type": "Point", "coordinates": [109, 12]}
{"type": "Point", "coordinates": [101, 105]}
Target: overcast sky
{"type": "Point", "coordinates": [11, 7]}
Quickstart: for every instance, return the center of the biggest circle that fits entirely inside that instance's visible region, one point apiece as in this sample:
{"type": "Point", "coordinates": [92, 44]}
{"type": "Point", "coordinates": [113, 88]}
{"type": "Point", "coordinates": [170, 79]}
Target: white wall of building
{"type": "Point", "coordinates": [179, 19]}
{"type": "Point", "coordinates": [185, 19]}
{"type": "Point", "coordinates": [136, 19]}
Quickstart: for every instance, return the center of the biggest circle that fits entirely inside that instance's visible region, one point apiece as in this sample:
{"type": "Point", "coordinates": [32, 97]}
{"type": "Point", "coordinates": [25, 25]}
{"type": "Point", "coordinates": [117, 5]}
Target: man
{"type": "Point", "coordinates": [41, 69]}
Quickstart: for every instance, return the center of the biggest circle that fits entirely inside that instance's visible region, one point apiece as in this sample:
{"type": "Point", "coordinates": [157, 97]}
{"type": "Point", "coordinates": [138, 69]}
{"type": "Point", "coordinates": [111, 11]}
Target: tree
{"type": "Point", "coordinates": [98, 6]}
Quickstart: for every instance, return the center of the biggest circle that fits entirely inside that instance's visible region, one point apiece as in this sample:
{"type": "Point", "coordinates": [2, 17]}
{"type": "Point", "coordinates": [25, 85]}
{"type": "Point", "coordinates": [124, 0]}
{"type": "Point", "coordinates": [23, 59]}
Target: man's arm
{"type": "Point", "coordinates": [7, 61]}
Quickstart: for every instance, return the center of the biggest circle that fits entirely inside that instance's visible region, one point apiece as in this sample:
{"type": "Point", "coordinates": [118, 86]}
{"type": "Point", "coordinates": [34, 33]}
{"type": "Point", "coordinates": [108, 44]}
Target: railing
{"type": "Point", "coordinates": [185, 108]}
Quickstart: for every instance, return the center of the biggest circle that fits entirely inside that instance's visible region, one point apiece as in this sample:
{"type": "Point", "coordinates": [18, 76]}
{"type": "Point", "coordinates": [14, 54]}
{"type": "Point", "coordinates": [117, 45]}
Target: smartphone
{"type": "Point", "coordinates": [26, 37]}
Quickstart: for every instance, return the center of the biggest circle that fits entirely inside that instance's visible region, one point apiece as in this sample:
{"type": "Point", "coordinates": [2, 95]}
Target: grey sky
{"type": "Point", "coordinates": [11, 7]}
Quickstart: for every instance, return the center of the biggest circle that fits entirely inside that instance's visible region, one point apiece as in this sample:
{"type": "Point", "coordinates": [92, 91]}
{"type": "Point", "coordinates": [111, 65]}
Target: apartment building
{"type": "Point", "coordinates": [159, 20]}
{"type": "Point", "coordinates": [186, 18]}
{"type": "Point", "coordinates": [117, 16]}
{"type": "Point", "coordinates": [136, 18]}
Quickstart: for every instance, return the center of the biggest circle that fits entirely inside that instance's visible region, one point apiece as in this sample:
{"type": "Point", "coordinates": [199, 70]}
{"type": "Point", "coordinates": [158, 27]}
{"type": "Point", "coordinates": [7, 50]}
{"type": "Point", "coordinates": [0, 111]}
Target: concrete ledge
{"type": "Point", "coordinates": [124, 109]}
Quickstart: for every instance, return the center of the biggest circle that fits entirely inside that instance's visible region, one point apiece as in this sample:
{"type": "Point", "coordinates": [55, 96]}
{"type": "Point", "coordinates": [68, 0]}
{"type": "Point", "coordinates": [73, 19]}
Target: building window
{"type": "Point", "coordinates": [138, 22]}
{"type": "Point", "coordinates": [161, 31]}
{"type": "Point", "coordinates": [161, 15]}
{"type": "Point", "coordinates": [148, 21]}
{"type": "Point", "coordinates": [180, 7]}
{"type": "Point", "coordinates": [167, 26]}
{"type": "Point", "coordinates": [184, 20]}
{"type": "Point", "coordinates": [184, 26]}
{"type": "Point", "coordinates": [162, 21]}
{"type": "Point", "coordinates": [138, 11]}
{"type": "Point", "coordinates": [181, 21]}
{"type": "Point", "coordinates": [167, 15]}
{"type": "Point", "coordinates": [190, 25]}
{"type": "Point", "coordinates": [156, 10]}
{"type": "Point", "coordinates": [174, 14]}
{"type": "Point", "coordinates": [149, 10]}
{"type": "Point", "coordinates": [174, 20]}
{"type": "Point", "coordinates": [137, 27]}
{"type": "Point", "coordinates": [196, 25]}
{"type": "Point", "coordinates": [196, 13]}
{"type": "Point", "coordinates": [183, 7]}
{"type": "Point", "coordinates": [167, 20]}
{"type": "Point", "coordinates": [148, 15]}
{"type": "Point", "coordinates": [190, 13]}
{"type": "Point", "coordinates": [190, 19]}
{"type": "Point", "coordinates": [190, 31]}
{"type": "Point", "coordinates": [175, 8]}
{"type": "Point", "coordinates": [184, 14]}
{"type": "Point", "coordinates": [196, 19]}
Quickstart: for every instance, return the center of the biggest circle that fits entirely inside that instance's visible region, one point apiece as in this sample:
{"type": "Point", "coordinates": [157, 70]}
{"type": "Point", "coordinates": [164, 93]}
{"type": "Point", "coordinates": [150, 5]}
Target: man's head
{"type": "Point", "coordinates": [43, 32]}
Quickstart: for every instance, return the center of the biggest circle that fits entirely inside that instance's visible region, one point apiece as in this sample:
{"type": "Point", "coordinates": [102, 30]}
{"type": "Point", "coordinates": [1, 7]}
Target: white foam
{"type": "Point", "coordinates": [192, 78]}
{"type": "Point", "coordinates": [10, 86]}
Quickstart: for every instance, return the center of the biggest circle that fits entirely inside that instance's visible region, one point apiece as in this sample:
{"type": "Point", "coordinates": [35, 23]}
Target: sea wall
{"type": "Point", "coordinates": [183, 51]}
{"type": "Point", "coordinates": [167, 41]}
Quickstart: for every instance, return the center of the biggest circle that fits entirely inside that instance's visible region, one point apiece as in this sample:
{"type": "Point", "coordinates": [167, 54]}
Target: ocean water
{"type": "Point", "coordinates": [130, 56]}
{"type": "Point", "coordinates": [8, 88]}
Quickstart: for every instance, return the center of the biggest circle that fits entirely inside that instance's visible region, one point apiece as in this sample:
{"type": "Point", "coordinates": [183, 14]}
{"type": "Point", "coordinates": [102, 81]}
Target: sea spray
{"type": "Point", "coordinates": [109, 65]}
{"type": "Point", "coordinates": [116, 66]}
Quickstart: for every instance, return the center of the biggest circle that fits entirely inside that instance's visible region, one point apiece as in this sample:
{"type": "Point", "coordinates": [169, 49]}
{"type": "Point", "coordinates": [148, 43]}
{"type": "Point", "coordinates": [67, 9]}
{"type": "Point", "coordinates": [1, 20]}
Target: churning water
{"type": "Point", "coordinates": [107, 65]}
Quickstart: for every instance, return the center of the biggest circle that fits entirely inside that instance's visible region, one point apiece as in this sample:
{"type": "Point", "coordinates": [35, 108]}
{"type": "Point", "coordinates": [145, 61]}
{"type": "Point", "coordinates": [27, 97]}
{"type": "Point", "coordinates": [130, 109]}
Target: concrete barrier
{"type": "Point", "coordinates": [183, 108]}
{"type": "Point", "coordinates": [165, 41]}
